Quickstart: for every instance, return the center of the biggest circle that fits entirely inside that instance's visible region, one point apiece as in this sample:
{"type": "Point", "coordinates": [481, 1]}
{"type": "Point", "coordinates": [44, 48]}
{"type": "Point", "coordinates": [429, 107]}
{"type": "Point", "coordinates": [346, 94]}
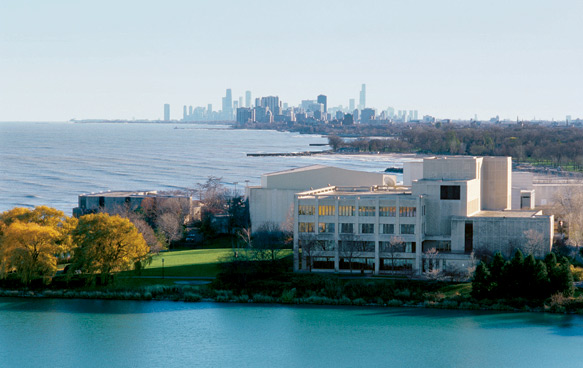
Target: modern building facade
{"type": "Point", "coordinates": [273, 200]}
{"type": "Point", "coordinates": [459, 206]}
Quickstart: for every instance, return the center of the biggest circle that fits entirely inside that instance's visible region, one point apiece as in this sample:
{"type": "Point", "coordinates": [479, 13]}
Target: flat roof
{"type": "Point", "coordinates": [297, 169]}
{"type": "Point", "coordinates": [509, 213]}
{"type": "Point", "coordinates": [356, 191]}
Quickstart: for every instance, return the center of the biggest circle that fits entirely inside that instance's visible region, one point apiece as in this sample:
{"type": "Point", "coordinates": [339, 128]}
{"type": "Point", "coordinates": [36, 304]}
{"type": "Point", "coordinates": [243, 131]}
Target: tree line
{"type": "Point", "coordinates": [538, 144]}
{"type": "Point", "coordinates": [522, 277]}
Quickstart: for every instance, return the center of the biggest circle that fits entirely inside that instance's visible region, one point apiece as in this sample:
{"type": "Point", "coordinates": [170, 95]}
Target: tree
{"type": "Point", "coordinates": [348, 248]}
{"type": "Point", "coordinates": [567, 206]}
{"type": "Point", "coordinates": [308, 244]}
{"type": "Point", "coordinates": [31, 241]}
{"type": "Point", "coordinates": [396, 245]}
{"type": "Point", "coordinates": [32, 249]}
{"type": "Point", "coordinates": [533, 242]}
{"type": "Point", "coordinates": [105, 244]}
{"type": "Point", "coordinates": [432, 272]}
{"type": "Point", "coordinates": [481, 282]}
{"type": "Point", "coordinates": [268, 241]}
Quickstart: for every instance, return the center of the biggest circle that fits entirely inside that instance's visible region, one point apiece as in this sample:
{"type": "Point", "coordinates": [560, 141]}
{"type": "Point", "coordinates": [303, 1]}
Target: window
{"type": "Point", "coordinates": [306, 210]}
{"type": "Point", "coordinates": [347, 228]}
{"type": "Point", "coordinates": [407, 229]}
{"type": "Point", "coordinates": [326, 227]}
{"type": "Point", "coordinates": [391, 247]}
{"type": "Point", "coordinates": [387, 228]}
{"type": "Point", "coordinates": [367, 228]}
{"type": "Point", "coordinates": [367, 211]}
{"type": "Point", "coordinates": [326, 210]}
{"type": "Point", "coordinates": [326, 245]}
{"type": "Point", "coordinates": [345, 210]}
{"type": "Point", "coordinates": [450, 192]}
{"type": "Point", "coordinates": [407, 211]}
{"type": "Point", "coordinates": [387, 211]}
{"type": "Point", "coordinates": [306, 227]}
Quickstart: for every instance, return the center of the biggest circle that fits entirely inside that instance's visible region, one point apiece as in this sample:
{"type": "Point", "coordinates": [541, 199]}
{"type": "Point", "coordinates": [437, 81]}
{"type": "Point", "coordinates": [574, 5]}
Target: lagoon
{"type": "Point", "coordinates": [106, 333]}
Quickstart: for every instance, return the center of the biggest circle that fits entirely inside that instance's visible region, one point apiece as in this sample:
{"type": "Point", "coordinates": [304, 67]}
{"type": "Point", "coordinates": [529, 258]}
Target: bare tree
{"type": "Point", "coordinates": [432, 272]}
{"type": "Point", "coordinates": [349, 248]}
{"type": "Point", "coordinates": [396, 245]}
{"type": "Point", "coordinates": [308, 245]}
{"type": "Point", "coordinates": [567, 206]}
{"type": "Point", "coordinates": [169, 225]}
{"type": "Point", "coordinates": [268, 241]}
{"type": "Point", "coordinates": [533, 242]}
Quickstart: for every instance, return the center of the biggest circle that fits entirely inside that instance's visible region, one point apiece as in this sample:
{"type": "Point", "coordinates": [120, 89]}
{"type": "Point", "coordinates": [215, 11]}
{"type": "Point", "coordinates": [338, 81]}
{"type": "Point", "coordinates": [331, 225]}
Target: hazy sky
{"type": "Point", "coordinates": [123, 59]}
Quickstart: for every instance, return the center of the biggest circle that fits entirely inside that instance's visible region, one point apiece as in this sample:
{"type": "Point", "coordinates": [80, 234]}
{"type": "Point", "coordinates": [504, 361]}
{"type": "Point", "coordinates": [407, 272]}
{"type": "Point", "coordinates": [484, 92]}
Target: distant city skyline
{"type": "Point", "coordinates": [449, 59]}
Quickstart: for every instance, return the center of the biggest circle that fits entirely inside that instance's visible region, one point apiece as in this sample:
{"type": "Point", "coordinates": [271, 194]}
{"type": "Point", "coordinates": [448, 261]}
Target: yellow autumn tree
{"type": "Point", "coordinates": [105, 244]}
{"type": "Point", "coordinates": [31, 250]}
{"type": "Point", "coordinates": [31, 240]}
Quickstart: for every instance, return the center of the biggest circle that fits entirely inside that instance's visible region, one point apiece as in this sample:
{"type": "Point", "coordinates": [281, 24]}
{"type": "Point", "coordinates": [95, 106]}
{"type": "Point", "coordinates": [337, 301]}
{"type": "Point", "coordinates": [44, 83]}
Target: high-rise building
{"type": "Point", "coordinates": [228, 105]}
{"type": "Point", "coordinates": [273, 103]}
{"type": "Point", "coordinates": [184, 113]}
{"type": "Point", "coordinates": [209, 109]}
{"type": "Point", "coordinates": [324, 101]}
{"type": "Point", "coordinates": [190, 110]}
{"type": "Point", "coordinates": [351, 104]}
{"type": "Point", "coordinates": [240, 101]}
{"type": "Point", "coordinates": [166, 112]}
{"type": "Point", "coordinates": [235, 105]}
{"type": "Point", "coordinates": [367, 116]}
{"type": "Point", "coordinates": [245, 115]}
{"type": "Point", "coordinates": [247, 98]}
{"type": "Point", "coordinates": [362, 101]}
{"type": "Point", "coordinates": [257, 102]}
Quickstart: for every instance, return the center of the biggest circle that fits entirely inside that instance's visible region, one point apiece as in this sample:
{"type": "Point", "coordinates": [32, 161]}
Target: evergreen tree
{"type": "Point", "coordinates": [481, 282]}
{"type": "Point", "coordinates": [496, 274]}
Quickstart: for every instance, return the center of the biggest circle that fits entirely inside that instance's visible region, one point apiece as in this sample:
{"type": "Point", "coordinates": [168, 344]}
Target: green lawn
{"type": "Point", "coordinates": [193, 262]}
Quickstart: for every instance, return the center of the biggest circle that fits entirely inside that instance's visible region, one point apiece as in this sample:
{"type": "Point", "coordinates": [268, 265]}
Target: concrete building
{"type": "Point", "coordinates": [322, 99]}
{"type": "Point", "coordinates": [245, 115]}
{"type": "Point", "coordinates": [273, 200]}
{"type": "Point", "coordinates": [116, 202]}
{"type": "Point", "coordinates": [458, 206]}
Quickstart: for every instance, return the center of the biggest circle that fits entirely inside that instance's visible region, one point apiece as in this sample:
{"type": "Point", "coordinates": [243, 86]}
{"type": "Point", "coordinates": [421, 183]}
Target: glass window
{"type": "Point", "coordinates": [306, 227]}
{"type": "Point", "coordinates": [407, 211]}
{"type": "Point", "coordinates": [367, 211]}
{"type": "Point", "coordinates": [347, 228]}
{"type": "Point", "coordinates": [306, 210]}
{"type": "Point", "coordinates": [387, 211]}
{"type": "Point", "coordinates": [326, 210]}
{"type": "Point", "coordinates": [367, 228]}
{"type": "Point", "coordinates": [326, 227]}
{"type": "Point", "coordinates": [387, 228]}
{"type": "Point", "coordinates": [407, 229]}
{"type": "Point", "coordinates": [345, 210]}
{"type": "Point", "coordinates": [450, 192]}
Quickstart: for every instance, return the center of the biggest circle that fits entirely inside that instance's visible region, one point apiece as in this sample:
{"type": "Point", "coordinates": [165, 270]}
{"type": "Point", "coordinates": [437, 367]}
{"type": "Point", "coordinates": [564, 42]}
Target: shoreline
{"type": "Point", "coordinates": [195, 295]}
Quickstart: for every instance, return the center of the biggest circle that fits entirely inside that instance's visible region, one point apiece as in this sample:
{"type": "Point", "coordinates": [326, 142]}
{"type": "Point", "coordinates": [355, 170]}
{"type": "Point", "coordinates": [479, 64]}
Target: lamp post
{"type": "Point", "coordinates": [162, 267]}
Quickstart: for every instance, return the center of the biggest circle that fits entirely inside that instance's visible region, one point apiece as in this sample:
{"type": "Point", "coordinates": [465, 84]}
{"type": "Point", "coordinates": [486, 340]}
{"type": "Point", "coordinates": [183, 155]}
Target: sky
{"type": "Point", "coordinates": [61, 60]}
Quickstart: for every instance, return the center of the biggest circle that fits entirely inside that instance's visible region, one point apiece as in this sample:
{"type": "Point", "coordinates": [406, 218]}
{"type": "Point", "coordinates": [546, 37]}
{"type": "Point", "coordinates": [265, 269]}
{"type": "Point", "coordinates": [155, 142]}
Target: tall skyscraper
{"type": "Point", "coordinates": [166, 112]}
{"type": "Point", "coordinates": [240, 101]}
{"type": "Point", "coordinates": [184, 113]}
{"type": "Point", "coordinates": [228, 105]}
{"type": "Point", "coordinates": [351, 104]}
{"type": "Point", "coordinates": [324, 101]}
{"type": "Point", "coordinates": [247, 98]}
{"type": "Point", "coordinates": [362, 101]}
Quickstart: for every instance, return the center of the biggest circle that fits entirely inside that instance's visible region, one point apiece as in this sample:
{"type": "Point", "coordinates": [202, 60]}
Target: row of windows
{"type": "Point", "coordinates": [364, 246]}
{"type": "Point", "coordinates": [368, 211]}
{"type": "Point", "coordinates": [348, 228]}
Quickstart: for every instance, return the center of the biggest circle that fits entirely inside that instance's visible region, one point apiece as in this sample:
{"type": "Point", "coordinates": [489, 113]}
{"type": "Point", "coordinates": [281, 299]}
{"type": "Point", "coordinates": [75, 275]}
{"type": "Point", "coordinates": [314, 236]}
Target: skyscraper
{"type": "Point", "coordinates": [228, 105]}
{"type": "Point", "coordinates": [166, 112]}
{"type": "Point", "coordinates": [351, 104]}
{"type": "Point", "coordinates": [247, 98]}
{"type": "Point", "coordinates": [240, 101]}
{"type": "Point", "coordinates": [184, 113]}
{"type": "Point", "coordinates": [273, 103]}
{"type": "Point", "coordinates": [324, 101]}
{"type": "Point", "coordinates": [362, 101]}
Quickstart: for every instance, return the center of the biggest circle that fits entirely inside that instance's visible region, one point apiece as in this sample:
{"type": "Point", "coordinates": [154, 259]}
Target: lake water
{"type": "Point", "coordinates": [52, 163]}
{"type": "Point", "coordinates": [90, 333]}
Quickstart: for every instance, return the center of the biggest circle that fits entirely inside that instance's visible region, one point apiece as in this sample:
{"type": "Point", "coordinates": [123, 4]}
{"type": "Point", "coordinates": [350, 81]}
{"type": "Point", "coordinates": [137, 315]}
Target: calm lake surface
{"type": "Point", "coordinates": [52, 163]}
{"type": "Point", "coordinates": [90, 333]}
